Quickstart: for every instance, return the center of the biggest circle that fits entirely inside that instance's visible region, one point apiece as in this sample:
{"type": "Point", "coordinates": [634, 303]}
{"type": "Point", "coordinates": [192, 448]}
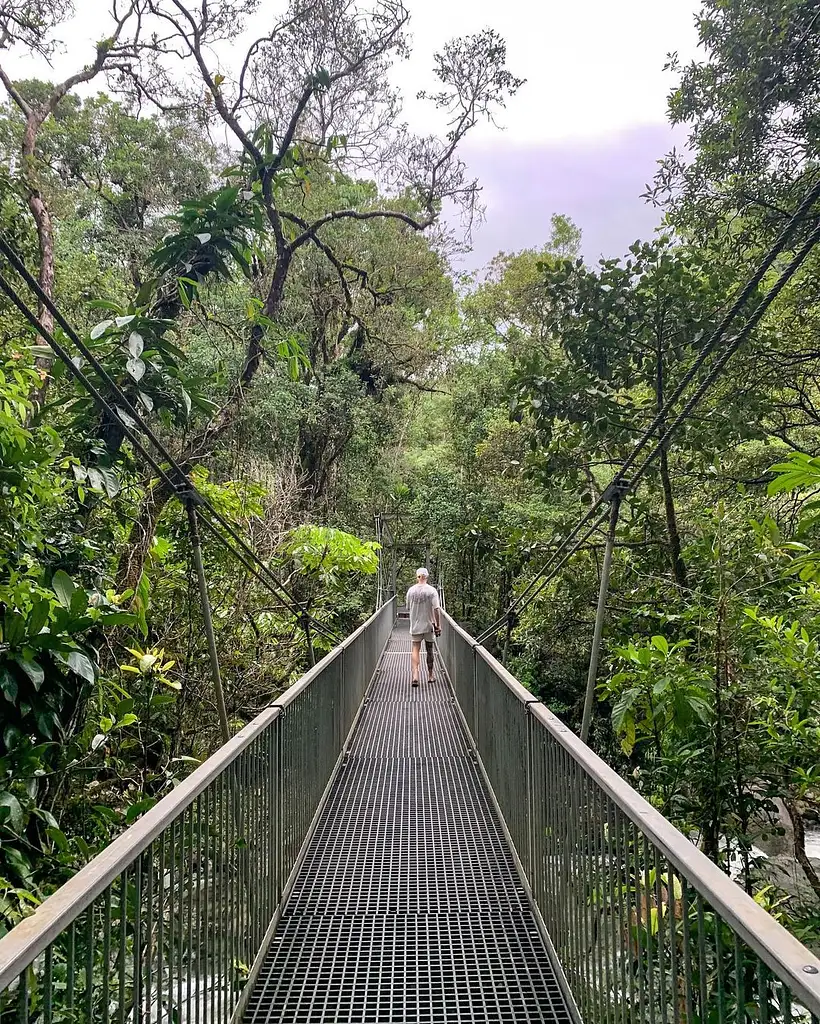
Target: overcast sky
{"type": "Point", "coordinates": [582, 137]}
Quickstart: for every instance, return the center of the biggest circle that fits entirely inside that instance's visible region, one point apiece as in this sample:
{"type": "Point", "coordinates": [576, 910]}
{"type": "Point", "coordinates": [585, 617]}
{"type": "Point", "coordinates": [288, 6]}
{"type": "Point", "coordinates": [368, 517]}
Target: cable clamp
{"type": "Point", "coordinates": [186, 492]}
{"type": "Point", "coordinates": [617, 489]}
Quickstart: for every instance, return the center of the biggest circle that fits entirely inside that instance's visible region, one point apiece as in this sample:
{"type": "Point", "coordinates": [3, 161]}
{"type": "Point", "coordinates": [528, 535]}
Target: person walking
{"type": "Point", "coordinates": [425, 624]}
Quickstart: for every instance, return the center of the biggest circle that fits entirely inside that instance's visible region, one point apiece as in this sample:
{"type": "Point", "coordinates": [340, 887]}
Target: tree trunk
{"type": "Point", "coordinates": [134, 555]}
{"type": "Point", "coordinates": [45, 242]}
{"type": "Point", "coordinates": [800, 847]}
{"type": "Point", "coordinates": [132, 560]}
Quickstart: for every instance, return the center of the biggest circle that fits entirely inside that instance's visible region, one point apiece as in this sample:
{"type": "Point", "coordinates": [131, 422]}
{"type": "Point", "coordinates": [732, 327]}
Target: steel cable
{"type": "Point", "coordinates": [183, 483]}
{"type": "Point", "coordinates": [620, 479]}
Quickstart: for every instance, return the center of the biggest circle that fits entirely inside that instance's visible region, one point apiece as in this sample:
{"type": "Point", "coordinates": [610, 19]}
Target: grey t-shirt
{"type": "Point", "coordinates": [422, 599]}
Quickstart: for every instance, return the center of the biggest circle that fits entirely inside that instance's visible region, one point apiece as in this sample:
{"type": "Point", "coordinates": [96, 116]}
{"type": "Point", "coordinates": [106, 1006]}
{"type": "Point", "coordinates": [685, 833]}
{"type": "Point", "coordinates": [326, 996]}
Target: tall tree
{"type": "Point", "coordinates": [306, 96]}
{"type": "Point", "coordinates": [30, 25]}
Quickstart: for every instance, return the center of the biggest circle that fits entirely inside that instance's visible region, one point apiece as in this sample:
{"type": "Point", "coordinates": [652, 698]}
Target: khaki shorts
{"type": "Point", "coordinates": [417, 638]}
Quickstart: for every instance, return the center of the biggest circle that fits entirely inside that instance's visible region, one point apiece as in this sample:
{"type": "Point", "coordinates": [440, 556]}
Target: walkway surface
{"type": "Point", "coordinates": [408, 907]}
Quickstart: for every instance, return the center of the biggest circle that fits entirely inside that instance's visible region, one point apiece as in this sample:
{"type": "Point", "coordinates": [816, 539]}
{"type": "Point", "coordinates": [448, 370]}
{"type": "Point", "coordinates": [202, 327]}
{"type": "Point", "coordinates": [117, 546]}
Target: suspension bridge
{"type": "Point", "coordinates": [364, 851]}
{"type": "Point", "coordinates": [368, 851]}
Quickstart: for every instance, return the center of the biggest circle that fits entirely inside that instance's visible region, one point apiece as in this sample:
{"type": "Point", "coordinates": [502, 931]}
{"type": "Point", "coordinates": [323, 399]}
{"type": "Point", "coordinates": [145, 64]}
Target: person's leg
{"type": "Point", "coordinates": [415, 658]}
{"type": "Point", "coordinates": [431, 656]}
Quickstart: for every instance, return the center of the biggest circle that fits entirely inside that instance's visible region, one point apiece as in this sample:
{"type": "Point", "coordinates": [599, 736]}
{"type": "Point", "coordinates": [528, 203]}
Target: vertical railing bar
{"type": "Point", "coordinates": [123, 943]}
{"type": "Point", "coordinates": [48, 985]}
{"type": "Point", "coordinates": [218, 902]}
{"type": "Point", "coordinates": [596, 866]}
{"type": "Point", "coordinates": [721, 974]}
{"type": "Point", "coordinates": [612, 866]}
{"type": "Point", "coordinates": [189, 957]}
{"type": "Point", "coordinates": [604, 904]}
{"type": "Point", "coordinates": [149, 929]}
{"type": "Point", "coordinates": [201, 929]}
{"type": "Point", "coordinates": [574, 878]}
{"type": "Point", "coordinates": [210, 966]}
{"type": "Point", "coordinates": [172, 929]}
{"type": "Point", "coordinates": [588, 956]}
{"type": "Point", "coordinates": [235, 818]}
{"type": "Point", "coordinates": [627, 976]}
{"type": "Point", "coordinates": [661, 943]}
{"type": "Point", "coordinates": [763, 991]}
{"type": "Point", "coordinates": [269, 819]}
{"type": "Point", "coordinates": [229, 917]}
{"type": "Point", "coordinates": [740, 983]}
{"type": "Point", "coordinates": [253, 865]}
{"type": "Point", "coordinates": [787, 1004]}
{"type": "Point", "coordinates": [137, 978]}
{"type": "Point", "coordinates": [161, 925]}
{"type": "Point", "coordinates": [550, 856]}
{"type": "Point", "coordinates": [571, 875]}
{"type": "Point", "coordinates": [671, 878]}
{"type": "Point", "coordinates": [89, 963]}
{"type": "Point", "coordinates": [106, 955]}
{"type": "Point", "coordinates": [183, 878]}
{"type": "Point", "coordinates": [23, 997]}
{"type": "Point", "coordinates": [650, 944]}
{"type": "Point", "coordinates": [70, 981]}
{"type": "Point", "coordinates": [223, 911]}
{"type": "Point", "coordinates": [637, 835]}
{"type": "Point", "coordinates": [687, 948]}
{"type": "Point", "coordinates": [703, 962]}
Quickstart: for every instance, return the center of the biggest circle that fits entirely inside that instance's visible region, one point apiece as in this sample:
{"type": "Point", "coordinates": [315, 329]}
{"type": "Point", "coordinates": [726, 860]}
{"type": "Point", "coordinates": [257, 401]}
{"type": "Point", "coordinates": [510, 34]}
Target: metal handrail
{"type": "Point", "coordinates": [592, 852]}
{"type": "Point", "coordinates": [132, 933]}
{"type": "Point", "coordinates": [29, 938]}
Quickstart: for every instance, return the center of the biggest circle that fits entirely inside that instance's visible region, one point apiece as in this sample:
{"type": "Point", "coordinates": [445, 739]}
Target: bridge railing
{"type": "Point", "coordinates": [645, 927]}
{"type": "Point", "coordinates": [171, 921]}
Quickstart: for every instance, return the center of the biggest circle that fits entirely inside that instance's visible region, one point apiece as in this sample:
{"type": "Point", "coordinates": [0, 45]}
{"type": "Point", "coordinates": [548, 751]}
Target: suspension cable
{"type": "Point", "coordinates": [183, 482]}
{"type": "Point", "coordinates": [546, 573]}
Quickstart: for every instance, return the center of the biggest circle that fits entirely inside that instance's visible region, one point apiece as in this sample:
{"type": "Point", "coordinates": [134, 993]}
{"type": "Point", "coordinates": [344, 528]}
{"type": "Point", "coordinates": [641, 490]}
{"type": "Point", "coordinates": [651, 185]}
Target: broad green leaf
{"type": "Point", "coordinates": [11, 811]}
{"type": "Point", "coordinates": [14, 628]}
{"type": "Point", "coordinates": [136, 368]}
{"type": "Point", "coordinates": [98, 330]}
{"type": "Point", "coordinates": [8, 685]}
{"type": "Point", "coordinates": [39, 616]}
{"type": "Point", "coordinates": [80, 664]}
{"type": "Point", "coordinates": [63, 586]}
{"type": "Point", "coordinates": [32, 670]}
{"type": "Point", "coordinates": [135, 344]}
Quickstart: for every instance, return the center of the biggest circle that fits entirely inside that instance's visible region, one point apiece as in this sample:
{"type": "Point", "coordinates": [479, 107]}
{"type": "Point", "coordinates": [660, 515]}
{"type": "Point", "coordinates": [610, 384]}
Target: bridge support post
{"type": "Point", "coordinates": [309, 638]}
{"type": "Point", "coordinates": [196, 547]}
{"type": "Point", "coordinates": [614, 498]}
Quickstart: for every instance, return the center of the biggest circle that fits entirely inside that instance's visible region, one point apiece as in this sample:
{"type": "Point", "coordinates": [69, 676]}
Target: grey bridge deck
{"type": "Point", "coordinates": [408, 907]}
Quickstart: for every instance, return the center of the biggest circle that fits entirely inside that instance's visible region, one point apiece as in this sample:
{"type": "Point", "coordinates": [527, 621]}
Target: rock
{"type": "Point", "coordinates": [785, 873]}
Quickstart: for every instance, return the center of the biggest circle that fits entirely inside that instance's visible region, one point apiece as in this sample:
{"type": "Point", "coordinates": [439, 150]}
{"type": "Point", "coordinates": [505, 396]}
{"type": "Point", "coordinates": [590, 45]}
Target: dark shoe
{"type": "Point", "coordinates": [415, 682]}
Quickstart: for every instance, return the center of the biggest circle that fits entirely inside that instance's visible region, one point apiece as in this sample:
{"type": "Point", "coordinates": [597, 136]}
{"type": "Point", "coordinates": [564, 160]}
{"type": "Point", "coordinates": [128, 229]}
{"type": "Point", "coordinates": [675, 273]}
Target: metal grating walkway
{"type": "Point", "coordinates": [407, 907]}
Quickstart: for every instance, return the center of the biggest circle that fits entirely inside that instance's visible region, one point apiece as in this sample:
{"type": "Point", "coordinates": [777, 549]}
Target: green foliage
{"type": "Point", "coordinates": [329, 553]}
{"type": "Point", "coordinates": [657, 696]}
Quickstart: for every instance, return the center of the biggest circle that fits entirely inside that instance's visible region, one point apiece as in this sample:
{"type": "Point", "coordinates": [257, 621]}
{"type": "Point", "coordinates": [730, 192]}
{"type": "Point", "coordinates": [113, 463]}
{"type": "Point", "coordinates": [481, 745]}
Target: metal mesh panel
{"type": "Point", "coordinates": [502, 739]}
{"type": "Point", "coordinates": [457, 651]}
{"type": "Point", "coordinates": [407, 906]}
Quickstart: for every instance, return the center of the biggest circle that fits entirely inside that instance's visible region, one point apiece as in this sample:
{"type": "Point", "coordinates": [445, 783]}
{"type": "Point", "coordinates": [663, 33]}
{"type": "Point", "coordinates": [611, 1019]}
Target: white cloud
{"type": "Point", "coordinates": [593, 67]}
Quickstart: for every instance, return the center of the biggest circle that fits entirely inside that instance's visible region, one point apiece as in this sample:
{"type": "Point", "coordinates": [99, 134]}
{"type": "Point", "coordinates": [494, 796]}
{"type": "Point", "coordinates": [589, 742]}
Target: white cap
{"type": "Point", "coordinates": [422, 572]}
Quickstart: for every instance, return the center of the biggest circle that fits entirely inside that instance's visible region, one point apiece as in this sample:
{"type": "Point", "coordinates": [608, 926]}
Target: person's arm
{"type": "Point", "coordinates": [436, 614]}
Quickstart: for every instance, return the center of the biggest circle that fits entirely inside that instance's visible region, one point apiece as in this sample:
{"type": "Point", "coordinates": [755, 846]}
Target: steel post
{"type": "Point", "coordinates": [603, 591]}
{"type": "Point", "coordinates": [196, 548]}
